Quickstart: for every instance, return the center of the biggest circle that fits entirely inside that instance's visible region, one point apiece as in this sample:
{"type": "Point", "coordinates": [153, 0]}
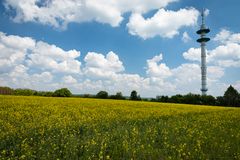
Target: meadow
{"type": "Point", "coordinates": [77, 128]}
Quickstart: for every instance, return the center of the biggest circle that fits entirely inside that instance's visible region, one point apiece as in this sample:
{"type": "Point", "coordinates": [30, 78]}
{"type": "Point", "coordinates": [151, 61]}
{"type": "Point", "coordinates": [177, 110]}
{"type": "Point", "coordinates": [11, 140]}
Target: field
{"type": "Point", "coordinates": [75, 128]}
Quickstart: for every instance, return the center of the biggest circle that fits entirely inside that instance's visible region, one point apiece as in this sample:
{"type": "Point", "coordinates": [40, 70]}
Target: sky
{"type": "Point", "coordinates": [118, 46]}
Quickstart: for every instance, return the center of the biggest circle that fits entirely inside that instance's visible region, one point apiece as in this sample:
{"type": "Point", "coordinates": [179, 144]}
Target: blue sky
{"type": "Point", "coordinates": [150, 45]}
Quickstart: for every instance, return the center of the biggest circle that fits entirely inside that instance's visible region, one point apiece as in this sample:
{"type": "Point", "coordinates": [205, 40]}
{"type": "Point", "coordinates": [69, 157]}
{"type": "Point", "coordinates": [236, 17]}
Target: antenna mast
{"type": "Point", "coordinates": [203, 40]}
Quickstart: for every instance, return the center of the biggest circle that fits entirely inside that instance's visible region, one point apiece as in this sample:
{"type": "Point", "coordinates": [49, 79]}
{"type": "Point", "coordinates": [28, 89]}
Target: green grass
{"type": "Point", "coordinates": [75, 128]}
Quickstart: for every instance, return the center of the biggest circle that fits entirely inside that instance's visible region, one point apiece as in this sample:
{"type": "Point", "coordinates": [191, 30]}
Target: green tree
{"type": "Point", "coordinates": [102, 94]}
{"type": "Point", "coordinates": [48, 94]}
{"type": "Point", "coordinates": [231, 96]}
{"type": "Point", "coordinates": [177, 99]}
{"type": "Point", "coordinates": [162, 98]}
{"type": "Point", "coordinates": [24, 92]}
{"type": "Point", "coordinates": [63, 92]}
{"type": "Point", "coordinates": [220, 101]}
{"type": "Point", "coordinates": [135, 96]}
{"type": "Point", "coordinates": [192, 99]}
{"type": "Point", "coordinates": [119, 95]}
{"type": "Point", "coordinates": [6, 90]}
{"type": "Point", "coordinates": [208, 100]}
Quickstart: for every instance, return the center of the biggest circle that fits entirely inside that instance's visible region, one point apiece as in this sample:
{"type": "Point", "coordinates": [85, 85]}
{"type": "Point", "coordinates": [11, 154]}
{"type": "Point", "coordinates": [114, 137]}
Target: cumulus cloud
{"type": "Point", "coordinates": [190, 73]}
{"type": "Point", "coordinates": [41, 68]}
{"type": "Point", "coordinates": [27, 63]}
{"type": "Point", "coordinates": [224, 55]}
{"type": "Point", "coordinates": [19, 77]}
{"type": "Point", "coordinates": [175, 80]}
{"type": "Point", "coordinates": [164, 23]}
{"type": "Point", "coordinates": [178, 79]}
{"type": "Point", "coordinates": [97, 65]}
{"type": "Point", "coordinates": [44, 77]}
{"type": "Point", "coordinates": [227, 54]}
{"type": "Point", "coordinates": [157, 70]}
{"type": "Point", "coordinates": [99, 71]}
{"type": "Point", "coordinates": [18, 50]}
{"type": "Point", "coordinates": [59, 13]}
{"type": "Point", "coordinates": [215, 72]}
{"type": "Point", "coordinates": [237, 85]}
{"type": "Point", "coordinates": [193, 54]}
{"type": "Point", "coordinates": [13, 50]}
{"type": "Point", "coordinates": [185, 37]}
{"type": "Point", "coordinates": [185, 74]}
{"type": "Point", "coordinates": [50, 57]}
{"type": "Point", "coordinates": [69, 79]}
{"type": "Point", "coordinates": [206, 12]}
{"type": "Point", "coordinates": [226, 36]}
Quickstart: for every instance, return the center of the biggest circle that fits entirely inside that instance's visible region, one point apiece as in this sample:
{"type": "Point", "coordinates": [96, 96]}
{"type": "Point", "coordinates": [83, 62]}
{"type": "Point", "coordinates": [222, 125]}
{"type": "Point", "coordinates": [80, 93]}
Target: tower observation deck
{"type": "Point", "coordinates": [203, 40]}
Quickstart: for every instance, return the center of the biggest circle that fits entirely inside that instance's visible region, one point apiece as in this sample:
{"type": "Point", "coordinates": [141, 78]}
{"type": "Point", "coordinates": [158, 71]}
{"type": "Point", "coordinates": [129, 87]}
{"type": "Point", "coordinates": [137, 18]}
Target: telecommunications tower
{"type": "Point", "coordinates": [203, 40]}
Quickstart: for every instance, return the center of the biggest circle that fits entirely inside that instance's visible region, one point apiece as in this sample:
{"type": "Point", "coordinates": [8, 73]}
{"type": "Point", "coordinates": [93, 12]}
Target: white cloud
{"type": "Point", "coordinates": [164, 23]}
{"type": "Point", "coordinates": [206, 12]}
{"type": "Point", "coordinates": [184, 75]}
{"type": "Point", "coordinates": [237, 85]}
{"type": "Point", "coordinates": [13, 50]}
{"type": "Point", "coordinates": [42, 77]}
{"type": "Point", "coordinates": [97, 65]}
{"type": "Point", "coordinates": [18, 50]}
{"type": "Point", "coordinates": [16, 42]}
{"type": "Point", "coordinates": [226, 36]}
{"type": "Point", "coordinates": [228, 53]}
{"type": "Point", "coordinates": [193, 54]}
{"type": "Point", "coordinates": [19, 71]}
{"type": "Point", "coordinates": [186, 38]}
{"type": "Point", "coordinates": [50, 57]}
{"type": "Point", "coordinates": [215, 72]}
{"type": "Point", "coordinates": [157, 70]}
{"type": "Point", "coordinates": [69, 79]}
{"type": "Point", "coordinates": [59, 13]}
{"type": "Point", "coordinates": [182, 79]}
{"type": "Point", "coordinates": [100, 72]}
{"type": "Point", "coordinates": [27, 63]}
{"type": "Point", "coordinates": [187, 72]}
{"type": "Point", "coordinates": [187, 78]}
{"type": "Point", "coordinates": [19, 77]}
{"type": "Point", "coordinates": [225, 55]}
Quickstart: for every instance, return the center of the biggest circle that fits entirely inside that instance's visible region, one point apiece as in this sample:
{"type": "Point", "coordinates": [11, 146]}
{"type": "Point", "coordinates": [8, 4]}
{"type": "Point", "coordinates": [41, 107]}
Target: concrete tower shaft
{"type": "Point", "coordinates": [203, 40]}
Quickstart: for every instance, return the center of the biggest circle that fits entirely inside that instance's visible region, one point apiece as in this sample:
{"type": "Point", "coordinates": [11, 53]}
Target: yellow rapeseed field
{"type": "Point", "coordinates": [76, 128]}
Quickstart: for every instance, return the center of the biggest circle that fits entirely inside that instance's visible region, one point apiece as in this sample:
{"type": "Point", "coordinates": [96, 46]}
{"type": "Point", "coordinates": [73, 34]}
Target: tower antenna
{"type": "Point", "coordinates": [203, 40]}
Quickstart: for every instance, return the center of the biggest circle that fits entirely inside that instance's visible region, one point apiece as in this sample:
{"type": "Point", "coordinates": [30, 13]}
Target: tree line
{"type": "Point", "coordinates": [231, 96]}
{"type": "Point", "coordinates": [63, 92]}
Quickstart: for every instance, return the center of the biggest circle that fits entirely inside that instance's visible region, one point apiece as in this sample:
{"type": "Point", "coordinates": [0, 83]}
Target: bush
{"type": "Point", "coordinates": [192, 98]}
{"type": "Point", "coordinates": [102, 95]}
{"type": "Point", "coordinates": [208, 100]}
{"type": "Point", "coordinates": [177, 99]}
{"type": "Point", "coordinates": [24, 92]}
{"type": "Point", "coordinates": [43, 93]}
{"type": "Point", "coordinates": [162, 99]}
{"type": "Point", "coordinates": [117, 96]}
{"type": "Point", "coordinates": [63, 92]}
